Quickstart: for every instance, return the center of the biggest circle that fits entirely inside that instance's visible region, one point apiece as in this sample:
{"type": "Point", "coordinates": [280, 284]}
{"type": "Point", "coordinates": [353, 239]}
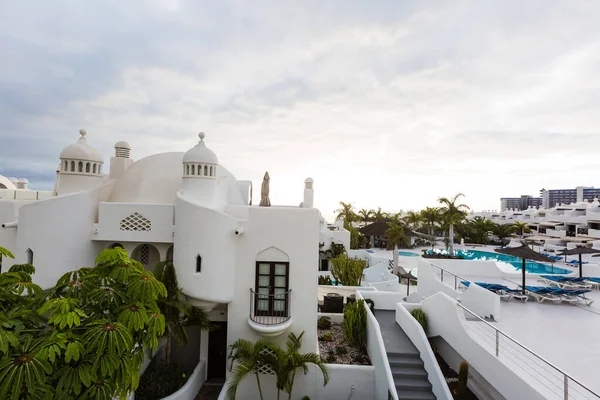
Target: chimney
{"type": "Point", "coordinates": [120, 163]}
{"type": "Point", "coordinates": [309, 194]}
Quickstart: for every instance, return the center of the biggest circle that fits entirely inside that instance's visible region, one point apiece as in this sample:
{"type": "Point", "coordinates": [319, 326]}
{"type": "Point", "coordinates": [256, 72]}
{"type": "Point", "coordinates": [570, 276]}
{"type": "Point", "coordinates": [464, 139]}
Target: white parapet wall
{"type": "Point", "coordinates": [357, 381]}
{"type": "Point", "coordinates": [383, 300]}
{"type": "Point", "coordinates": [444, 320]}
{"type": "Point", "coordinates": [415, 333]}
{"type": "Point", "coordinates": [341, 290]}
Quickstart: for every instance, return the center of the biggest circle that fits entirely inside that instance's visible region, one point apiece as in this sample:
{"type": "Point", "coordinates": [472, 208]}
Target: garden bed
{"type": "Point", "coordinates": [452, 379]}
{"type": "Point", "coordinates": [339, 350]}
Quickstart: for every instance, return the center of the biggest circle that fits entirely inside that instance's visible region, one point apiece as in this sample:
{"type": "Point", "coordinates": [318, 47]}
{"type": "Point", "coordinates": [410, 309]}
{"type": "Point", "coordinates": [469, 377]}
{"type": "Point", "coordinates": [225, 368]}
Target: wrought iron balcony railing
{"type": "Point", "coordinates": [270, 309]}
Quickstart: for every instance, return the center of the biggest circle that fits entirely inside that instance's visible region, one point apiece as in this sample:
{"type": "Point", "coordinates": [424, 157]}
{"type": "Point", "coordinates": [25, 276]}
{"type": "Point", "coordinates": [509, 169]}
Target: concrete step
{"type": "Point", "coordinates": [405, 361]}
{"type": "Point", "coordinates": [414, 385]}
{"type": "Point", "coordinates": [408, 395]}
{"type": "Point", "coordinates": [408, 372]}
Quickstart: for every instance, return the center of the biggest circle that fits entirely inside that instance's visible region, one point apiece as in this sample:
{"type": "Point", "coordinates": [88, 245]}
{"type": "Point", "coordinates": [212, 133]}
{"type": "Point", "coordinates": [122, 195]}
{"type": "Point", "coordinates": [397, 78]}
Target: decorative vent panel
{"type": "Point", "coordinates": [145, 255]}
{"type": "Point", "coordinates": [266, 369]}
{"type": "Point", "coordinates": [136, 222]}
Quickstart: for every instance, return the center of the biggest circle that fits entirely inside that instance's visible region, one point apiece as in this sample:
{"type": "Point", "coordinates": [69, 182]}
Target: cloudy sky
{"type": "Point", "coordinates": [383, 103]}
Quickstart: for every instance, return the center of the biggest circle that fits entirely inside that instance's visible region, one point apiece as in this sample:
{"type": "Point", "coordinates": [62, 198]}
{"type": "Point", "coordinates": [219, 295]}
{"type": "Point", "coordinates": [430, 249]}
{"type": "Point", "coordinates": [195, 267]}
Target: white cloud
{"type": "Point", "coordinates": [390, 105]}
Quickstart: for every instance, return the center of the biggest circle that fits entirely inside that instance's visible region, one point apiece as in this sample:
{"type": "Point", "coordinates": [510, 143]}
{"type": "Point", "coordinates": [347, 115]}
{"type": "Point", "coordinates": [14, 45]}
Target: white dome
{"type": "Point", "coordinates": [200, 153]}
{"type": "Point", "coordinates": [23, 180]}
{"type": "Point", "coordinates": [81, 151]}
{"type": "Point", "coordinates": [122, 145]}
{"type": "Point", "coordinates": [7, 183]}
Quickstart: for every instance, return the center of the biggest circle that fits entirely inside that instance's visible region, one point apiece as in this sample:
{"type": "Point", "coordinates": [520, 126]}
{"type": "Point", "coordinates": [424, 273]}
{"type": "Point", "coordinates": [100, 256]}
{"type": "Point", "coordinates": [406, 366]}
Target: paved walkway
{"type": "Point", "coordinates": [394, 338]}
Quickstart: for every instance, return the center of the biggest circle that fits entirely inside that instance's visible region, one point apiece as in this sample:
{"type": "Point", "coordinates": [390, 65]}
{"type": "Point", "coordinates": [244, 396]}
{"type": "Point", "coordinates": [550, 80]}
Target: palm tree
{"type": "Point", "coordinates": [521, 228]}
{"type": "Point", "coordinates": [412, 220]}
{"type": "Point", "coordinates": [379, 215]}
{"type": "Point", "coordinates": [452, 213]}
{"type": "Point", "coordinates": [345, 212]}
{"type": "Point", "coordinates": [503, 231]}
{"type": "Point", "coordinates": [291, 360]}
{"type": "Point", "coordinates": [250, 358]}
{"type": "Point", "coordinates": [431, 216]}
{"type": "Point", "coordinates": [365, 215]}
{"type": "Point", "coordinates": [395, 236]}
{"type": "Point", "coordinates": [178, 314]}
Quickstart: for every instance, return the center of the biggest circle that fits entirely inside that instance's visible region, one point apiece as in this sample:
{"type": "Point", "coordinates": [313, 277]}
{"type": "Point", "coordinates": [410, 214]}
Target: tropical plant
{"type": "Point", "coordinates": [346, 212]}
{"type": "Point", "coordinates": [85, 337]}
{"type": "Point", "coordinates": [324, 323]}
{"type": "Point", "coordinates": [325, 280]}
{"type": "Point", "coordinates": [431, 216]}
{"type": "Point", "coordinates": [160, 381]}
{"type": "Point", "coordinates": [250, 358]}
{"type": "Point", "coordinates": [503, 231]}
{"type": "Point", "coordinates": [412, 220]}
{"type": "Point", "coordinates": [452, 213]}
{"type": "Point", "coordinates": [347, 271]}
{"type": "Point", "coordinates": [395, 237]}
{"type": "Point", "coordinates": [290, 360]}
{"type": "Point", "coordinates": [178, 314]}
{"type": "Point", "coordinates": [357, 239]}
{"type": "Point", "coordinates": [327, 337]}
{"type": "Point", "coordinates": [379, 214]}
{"type": "Point", "coordinates": [365, 216]}
{"type": "Point", "coordinates": [421, 318]}
{"type": "Point", "coordinates": [463, 376]}
{"type": "Point", "coordinates": [521, 228]}
{"type": "Point", "coordinates": [355, 324]}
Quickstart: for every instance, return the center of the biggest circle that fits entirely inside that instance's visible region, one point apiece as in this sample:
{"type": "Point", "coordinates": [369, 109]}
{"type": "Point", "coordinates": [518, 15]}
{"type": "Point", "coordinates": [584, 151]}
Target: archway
{"type": "Point", "coordinates": [170, 254]}
{"type": "Point", "coordinates": [146, 254]}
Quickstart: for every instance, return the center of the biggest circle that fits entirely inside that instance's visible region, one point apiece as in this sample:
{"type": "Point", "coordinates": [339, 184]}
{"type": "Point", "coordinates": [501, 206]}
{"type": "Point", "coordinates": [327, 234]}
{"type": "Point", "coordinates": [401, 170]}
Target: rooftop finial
{"type": "Point", "coordinates": [201, 135]}
{"type": "Point", "coordinates": [82, 132]}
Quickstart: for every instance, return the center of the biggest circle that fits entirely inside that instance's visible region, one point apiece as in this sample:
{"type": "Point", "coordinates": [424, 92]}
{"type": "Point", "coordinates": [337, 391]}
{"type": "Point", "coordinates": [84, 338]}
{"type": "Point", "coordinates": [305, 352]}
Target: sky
{"type": "Point", "coordinates": [386, 104]}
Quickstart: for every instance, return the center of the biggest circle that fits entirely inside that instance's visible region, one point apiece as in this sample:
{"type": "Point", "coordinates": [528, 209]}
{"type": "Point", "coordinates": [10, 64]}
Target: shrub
{"type": "Point", "coordinates": [324, 323]}
{"type": "Point", "coordinates": [327, 337]}
{"type": "Point", "coordinates": [361, 359]}
{"type": "Point", "coordinates": [325, 280]}
{"type": "Point", "coordinates": [419, 315]}
{"type": "Point", "coordinates": [355, 324]}
{"type": "Point", "coordinates": [371, 304]}
{"type": "Point", "coordinates": [347, 271]}
{"type": "Point", "coordinates": [463, 374]}
{"type": "Point", "coordinates": [341, 350]}
{"type": "Point", "coordinates": [160, 381]}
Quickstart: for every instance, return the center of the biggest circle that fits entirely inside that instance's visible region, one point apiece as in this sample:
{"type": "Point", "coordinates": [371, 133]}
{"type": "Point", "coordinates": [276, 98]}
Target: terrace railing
{"type": "Point", "coordinates": [270, 309]}
{"type": "Point", "coordinates": [582, 231]}
{"type": "Point", "coordinates": [552, 382]}
{"type": "Point", "coordinates": [450, 278]}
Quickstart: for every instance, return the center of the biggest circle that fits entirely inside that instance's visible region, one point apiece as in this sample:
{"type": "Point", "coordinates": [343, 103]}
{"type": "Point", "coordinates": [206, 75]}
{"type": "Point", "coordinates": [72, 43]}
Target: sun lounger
{"type": "Point", "coordinates": [565, 282]}
{"type": "Point", "coordinates": [545, 293]}
{"type": "Point", "coordinates": [595, 282]}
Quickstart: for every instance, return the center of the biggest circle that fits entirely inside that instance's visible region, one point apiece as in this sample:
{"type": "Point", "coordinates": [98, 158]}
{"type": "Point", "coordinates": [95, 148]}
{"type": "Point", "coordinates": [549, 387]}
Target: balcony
{"type": "Point", "coordinates": [270, 314]}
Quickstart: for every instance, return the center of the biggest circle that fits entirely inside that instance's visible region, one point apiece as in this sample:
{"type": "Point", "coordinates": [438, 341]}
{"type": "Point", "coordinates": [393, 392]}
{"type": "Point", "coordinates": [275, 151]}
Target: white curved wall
{"type": "Point", "coordinates": [73, 183]}
{"type": "Point", "coordinates": [210, 234]}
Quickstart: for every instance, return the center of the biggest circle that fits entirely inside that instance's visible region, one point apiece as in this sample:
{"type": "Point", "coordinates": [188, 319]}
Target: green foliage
{"type": "Point", "coordinates": [357, 239]}
{"type": "Point", "coordinates": [421, 318]}
{"type": "Point", "coordinates": [355, 324]}
{"type": "Point", "coordinates": [347, 271]}
{"type": "Point", "coordinates": [451, 214]}
{"type": "Point", "coordinates": [83, 338]}
{"type": "Point", "coordinates": [160, 381]}
{"type": "Point", "coordinates": [395, 235]}
{"type": "Point", "coordinates": [371, 304]}
{"type": "Point", "coordinates": [346, 212]}
{"type": "Point", "coordinates": [327, 336]}
{"type": "Point", "coordinates": [324, 323]}
{"type": "Point", "coordinates": [463, 375]}
{"type": "Point", "coordinates": [250, 357]}
{"type": "Point", "coordinates": [341, 350]}
{"type": "Point", "coordinates": [331, 358]}
{"type": "Point", "coordinates": [325, 280]}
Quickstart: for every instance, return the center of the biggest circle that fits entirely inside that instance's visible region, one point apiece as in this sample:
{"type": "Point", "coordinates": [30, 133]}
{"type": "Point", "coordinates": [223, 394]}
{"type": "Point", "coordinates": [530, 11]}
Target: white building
{"type": "Point", "coordinates": [188, 208]}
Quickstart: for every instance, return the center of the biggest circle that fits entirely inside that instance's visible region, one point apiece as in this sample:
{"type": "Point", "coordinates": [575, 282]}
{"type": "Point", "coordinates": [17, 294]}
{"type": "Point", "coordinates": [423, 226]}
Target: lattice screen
{"type": "Point", "coordinates": [145, 254]}
{"type": "Point", "coordinates": [266, 369]}
{"type": "Point", "coordinates": [136, 222]}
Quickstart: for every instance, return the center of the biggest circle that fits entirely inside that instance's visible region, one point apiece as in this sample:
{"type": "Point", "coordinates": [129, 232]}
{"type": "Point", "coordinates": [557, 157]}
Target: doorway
{"type": "Point", "coordinates": [272, 283]}
{"type": "Point", "coordinates": [217, 351]}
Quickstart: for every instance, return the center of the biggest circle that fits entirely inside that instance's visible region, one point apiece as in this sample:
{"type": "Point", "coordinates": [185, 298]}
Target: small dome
{"type": "Point", "coordinates": [309, 180]}
{"type": "Point", "coordinates": [81, 150]}
{"type": "Point", "coordinates": [122, 145]}
{"type": "Point", "coordinates": [23, 180]}
{"type": "Point", "coordinates": [13, 180]}
{"type": "Point", "coordinates": [200, 153]}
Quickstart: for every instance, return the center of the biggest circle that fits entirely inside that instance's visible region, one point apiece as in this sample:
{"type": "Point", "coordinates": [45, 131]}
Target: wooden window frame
{"type": "Point", "coordinates": [271, 311]}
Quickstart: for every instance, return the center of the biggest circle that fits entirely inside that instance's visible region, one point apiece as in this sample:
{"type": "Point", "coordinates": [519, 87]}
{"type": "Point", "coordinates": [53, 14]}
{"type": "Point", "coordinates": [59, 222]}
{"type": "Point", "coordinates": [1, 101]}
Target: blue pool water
{"type": "Point", "coordinates": [407, 254]}
{"type": "Point", "coordinates": [530, 266]}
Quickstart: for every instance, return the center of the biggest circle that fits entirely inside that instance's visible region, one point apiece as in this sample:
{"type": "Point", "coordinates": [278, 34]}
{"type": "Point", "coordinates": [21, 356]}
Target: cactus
{"type": "Point", "coordinates": [463, 374]}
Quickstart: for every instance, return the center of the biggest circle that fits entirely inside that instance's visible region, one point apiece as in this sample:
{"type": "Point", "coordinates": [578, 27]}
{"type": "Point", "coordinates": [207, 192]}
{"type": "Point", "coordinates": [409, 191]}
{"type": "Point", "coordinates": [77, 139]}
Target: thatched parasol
{"type": "Point", "coordinates": [408, 276]}
{"type": "Point", "coordinates": [579, 250]}
{"type": "Point", "coordinates": [264, 192]}
{"type": "Point", "coordinates": [525, 253]}
{"type": "Point", "coordinates": [379, 228]}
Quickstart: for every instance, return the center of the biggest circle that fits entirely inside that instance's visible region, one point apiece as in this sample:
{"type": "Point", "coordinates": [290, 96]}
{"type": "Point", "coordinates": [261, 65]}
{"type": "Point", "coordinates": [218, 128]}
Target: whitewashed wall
{"type": "Point", "coordinates": [346, 380]}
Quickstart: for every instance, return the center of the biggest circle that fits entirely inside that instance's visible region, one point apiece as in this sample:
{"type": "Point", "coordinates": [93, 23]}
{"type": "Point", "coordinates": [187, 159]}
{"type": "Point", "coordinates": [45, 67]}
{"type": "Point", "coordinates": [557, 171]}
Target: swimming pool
{"type": "Point", "coordinates": [530, 266]}
{"type": "Point", "coordinates": [407, 254]}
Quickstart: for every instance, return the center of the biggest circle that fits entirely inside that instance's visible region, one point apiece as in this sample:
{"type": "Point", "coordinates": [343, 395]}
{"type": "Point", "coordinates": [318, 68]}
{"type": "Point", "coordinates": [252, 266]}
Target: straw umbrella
{"type": "Point", "coordinates": [408, 277]}
{"type": "Point", "coordinates": [264, 192]}
{"type": "Point", "coordinates": [525, 253]}
{"type": "Point", "coordinates": [579, 250]}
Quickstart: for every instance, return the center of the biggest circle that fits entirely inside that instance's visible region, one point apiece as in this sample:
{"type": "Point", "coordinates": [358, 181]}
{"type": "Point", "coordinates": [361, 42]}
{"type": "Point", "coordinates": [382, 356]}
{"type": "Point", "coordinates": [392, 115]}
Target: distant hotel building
{"type": "Point", "coordinates": [550, 198]}
{"type": "Point", "coordinates": [520, 203]}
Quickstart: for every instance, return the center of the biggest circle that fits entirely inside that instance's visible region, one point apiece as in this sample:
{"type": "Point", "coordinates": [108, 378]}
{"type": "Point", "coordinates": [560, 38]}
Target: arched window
{"type": "Point", "coordinates": [87, 168]}
{"type": "Point", "coordinates": [116, 245]}
{"type": "Point", "coordinates": [193, 169]}
{"type": "Point", "coordinates": [186, 169]}
{"type": "Point", "coordinates": [94, 169]}
{"type": "Point", "coordinates": [210, 169]}
{"type": "Point", "coordinates": [205, 170]}
{"type": "Point", "coordinates": [66, 166]}
{"type": "Point", "coordinates": [198, 264]}
{"type": "Point", "coordinates": [80, 167]}
{"type": "Point", "coordinates": [29, 254]}
{"type": "Point", "coordinates": [72, 166]}
{"type": "Point", "coordinates": [100, 168]}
